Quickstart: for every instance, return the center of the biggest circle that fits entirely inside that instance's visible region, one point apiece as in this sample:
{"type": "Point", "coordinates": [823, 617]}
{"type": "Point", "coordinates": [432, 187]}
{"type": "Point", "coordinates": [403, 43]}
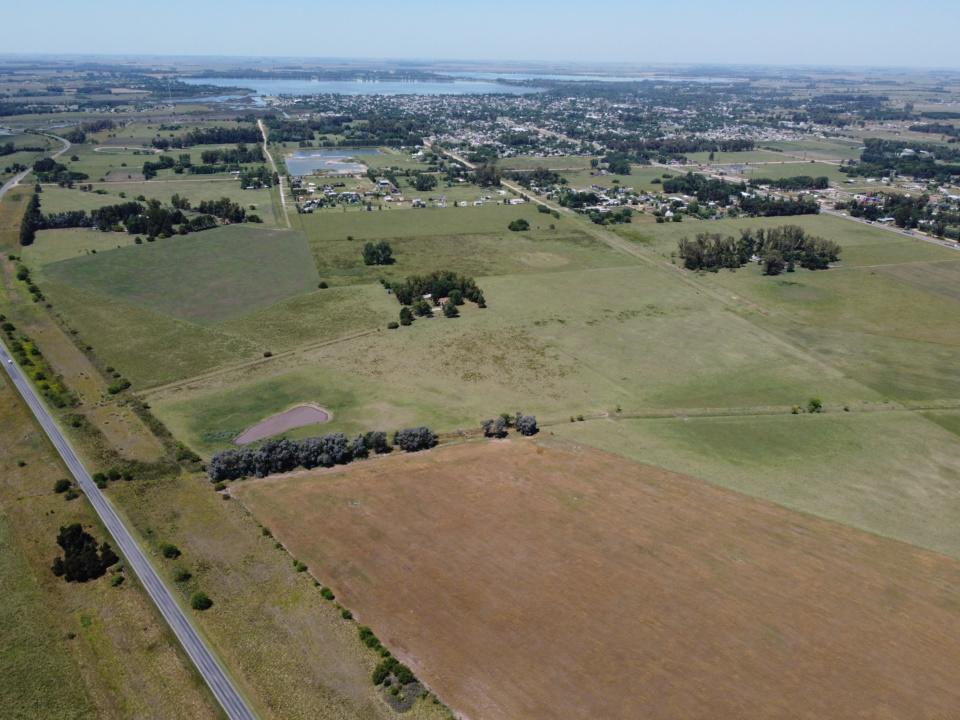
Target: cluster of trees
{"type": "Point", "coordinates": [613, 217]}
{"type": "Point", "coordinates": [7, 149]}
{"type": "Point", "coordinates": [152, 219]}
{"type": "Point", "coordinates": [49, 170]}
{"type": "Point", "coordinates": [797, 182]}
{"type": "Point", "coordinates": [233, 156]}
{"type": "Point", "coordinates": [226, 209]}
{"type": "Point", "coordinates": [277, 456]}
{"type": "Point", "coordinates": [82, 558]}
{"type": "Point", "coordinates": [767, 206]}
{"type": "Point", "coordinates": [907, 212]}
{"type": "Point", "coordinates": [576, 199]}
{"type": "Point", "coordinates": [617, 163]}
{"type": "Point", "coordinates": [210, 136]}
{"type": "Point", "coordinates": [486, 175]}
{"type": "Point", "coordinates": [539, 177]}
{"type": "Point", "coordinates": [886, 157]}
{"type": "Point", "coordinates": [163, 162]}
{"type": "Point", "coordinates": [440, 283]}
{"type": "Point", "coordinates": [424, 182]}
{"type": "Point", "coordinates": [258, 177]}
{"type": "Point", "coordinates": [779, 249]}
{"type": "Point", "coordinates": [497, 427]}
{"type": "Point", "coordinates": [378, 253]}
{"type": "Point", "coordinates": [518, 225]}
{"type": "Point", "coordinates": [415, 439]}
{"type": "Point", "coordinates": [703, 188]}
{"type": "Point", "coordinates": [937, 129]}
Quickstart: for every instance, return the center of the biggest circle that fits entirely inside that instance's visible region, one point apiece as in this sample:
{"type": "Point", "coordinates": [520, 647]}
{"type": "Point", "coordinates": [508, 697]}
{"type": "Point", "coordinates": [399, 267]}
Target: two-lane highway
{"type": "Point", "coordinates": [196, 648]}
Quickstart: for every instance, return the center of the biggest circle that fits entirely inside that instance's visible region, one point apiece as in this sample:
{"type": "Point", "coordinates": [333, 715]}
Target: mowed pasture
{"type": "Point", "coordinates": [474, 241]}
{"type": "Point", "coordinates": [546, 580]}
{"type": "Point", "coordinates": [203, 277]}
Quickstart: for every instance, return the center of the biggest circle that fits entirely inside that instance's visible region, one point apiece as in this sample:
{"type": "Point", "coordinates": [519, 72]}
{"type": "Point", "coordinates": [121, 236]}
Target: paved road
{"type": "Point", "coordinates": [209, 667]}
{"type": "Point", "coordinates": [15, 180]}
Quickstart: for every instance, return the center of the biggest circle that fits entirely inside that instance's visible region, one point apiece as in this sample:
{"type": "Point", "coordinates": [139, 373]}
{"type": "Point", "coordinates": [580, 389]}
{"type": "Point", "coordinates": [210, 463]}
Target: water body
{"type": "Point", "coordinates": [581, 78]}
{"type": "Point", "coordinates": [276, 86]}
{"type": "Point", "coordinates": [334, 162]}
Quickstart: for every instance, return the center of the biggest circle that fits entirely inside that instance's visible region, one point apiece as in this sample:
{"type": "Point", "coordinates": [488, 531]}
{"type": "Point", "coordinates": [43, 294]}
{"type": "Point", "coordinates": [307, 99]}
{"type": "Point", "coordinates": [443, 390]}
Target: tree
{"type": "Point", "coordinates": [82, 560]}
{"type": "Point", "coordinates": [455, 296]}
{"type": "Point", "coordinates": [519, 225]}
{"type": "Point", "coordinates": [424, 182]}
{"type": "Point", "coordinates": [526, 424]}
{"type": "Point", "coordinates": [496, 428]}
{"type": "Point", "coordinates": [422, 308]}
{"type": "Point", "coordinates": [814, 405]}
{"type": "Point", "coordinates": [450, 310]}
{"type": "Point", "coordinates": [378, 254]}
{"type": "Point", "coordinates": [773, 263]}
{"type": "Point", "coordinates": [406, 317]}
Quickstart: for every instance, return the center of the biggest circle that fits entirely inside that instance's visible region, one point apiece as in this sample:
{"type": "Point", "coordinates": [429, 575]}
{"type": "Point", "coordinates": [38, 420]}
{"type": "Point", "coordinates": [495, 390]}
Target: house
{"type": "Point", "coordinates": [517, 201]}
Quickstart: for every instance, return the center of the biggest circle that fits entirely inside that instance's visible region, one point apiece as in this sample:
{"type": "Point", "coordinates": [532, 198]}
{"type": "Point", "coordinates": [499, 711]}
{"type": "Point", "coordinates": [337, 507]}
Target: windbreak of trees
{"type": "Point", "coordinates": [437, 284]}
{"type": "Point", "coordinates": [82, 558]}
{"type": "Point", "coordinates": [757, 206]}
{"type": "Point", "coordinates": [152, 219]}
{"type": "Point", "coordinates": [937, 129]}
{"type": "Point", "coordinates": [779, 249]}
{"type": "Point", "coordinates": [31, 222]}
{"type": "Point", "coordinates": [210, 136]}
{"type": "Point", "coordinates": [259, 177]}
{"type": "Point", "coordinates": [150, 167]}
{"type": "Point", "coordinates": [233, 156]}
{"type": "Point", "coordinates": [797, 182]}
{"type": "Point", "coordinates": [278, 456]}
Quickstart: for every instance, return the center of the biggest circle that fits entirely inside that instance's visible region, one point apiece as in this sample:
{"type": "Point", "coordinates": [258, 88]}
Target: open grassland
{"type": "Point", "coordinates": [203, 277]}
{"type": "Point", "coordinates": [780, 170]}
{"type": "Point", "coordinates": [73, 650]}
{"type": "Point", "coordinates": [53, 246]}
{"type": "Point", "coordinates": [827, 149]}
{"type": "Point", "coordinates": [552, 162]}
{"type": "Point", "coordinates": [546, 581]}
{"type": "Point", "coordinates": [725, 158]}
{"type": "Point", "coordinates": [556, 343]}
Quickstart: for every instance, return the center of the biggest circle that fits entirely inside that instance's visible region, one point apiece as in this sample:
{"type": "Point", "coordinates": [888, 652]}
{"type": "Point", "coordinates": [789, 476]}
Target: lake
{"type": "Point", "coordinates": [328, 160]}
{"type": "Point", "coordinates": [278, 86]}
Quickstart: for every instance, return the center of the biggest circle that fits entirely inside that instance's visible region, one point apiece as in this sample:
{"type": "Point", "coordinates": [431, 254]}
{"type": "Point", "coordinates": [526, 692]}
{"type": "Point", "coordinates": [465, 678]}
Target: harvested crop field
{"type": "Point", "coordinates": [295, 417]}
{"type": "Point", "coordinates": [531, 580]}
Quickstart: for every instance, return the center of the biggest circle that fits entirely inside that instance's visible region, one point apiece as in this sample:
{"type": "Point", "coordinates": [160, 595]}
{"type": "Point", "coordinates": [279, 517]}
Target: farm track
{"type": "Point", "coordinates": [273, 165]}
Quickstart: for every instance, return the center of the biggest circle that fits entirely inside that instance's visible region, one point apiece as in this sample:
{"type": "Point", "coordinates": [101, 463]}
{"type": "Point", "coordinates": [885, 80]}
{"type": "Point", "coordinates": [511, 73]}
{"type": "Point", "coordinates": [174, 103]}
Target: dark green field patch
{"type": "Point", "coordinates": [205, 278]}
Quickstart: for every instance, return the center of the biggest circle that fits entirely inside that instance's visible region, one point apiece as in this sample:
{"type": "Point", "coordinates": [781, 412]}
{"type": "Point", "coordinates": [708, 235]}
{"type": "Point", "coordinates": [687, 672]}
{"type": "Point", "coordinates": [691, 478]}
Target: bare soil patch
{"type": "Point", "coordinates": [295, 417]}
{"type": "Point", "coordinates": [524, 581]}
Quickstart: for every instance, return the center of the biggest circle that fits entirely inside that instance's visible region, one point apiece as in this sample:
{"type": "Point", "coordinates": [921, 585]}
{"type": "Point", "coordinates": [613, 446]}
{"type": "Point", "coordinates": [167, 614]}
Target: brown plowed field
{"type": "Point", "coordinates": [524, 581]}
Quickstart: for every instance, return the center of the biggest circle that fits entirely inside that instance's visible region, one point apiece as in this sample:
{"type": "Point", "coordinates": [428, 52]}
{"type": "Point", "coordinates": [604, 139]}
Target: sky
{"type": "Point", "coordinates": [919, 33]}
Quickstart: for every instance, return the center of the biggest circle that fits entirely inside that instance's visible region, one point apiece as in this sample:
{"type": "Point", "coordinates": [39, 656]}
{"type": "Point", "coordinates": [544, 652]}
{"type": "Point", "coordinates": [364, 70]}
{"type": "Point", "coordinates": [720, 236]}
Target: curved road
{"type": "Point", "coordinates": [15, 180]}
{"type": "Point", "coordinates": [209, 667]}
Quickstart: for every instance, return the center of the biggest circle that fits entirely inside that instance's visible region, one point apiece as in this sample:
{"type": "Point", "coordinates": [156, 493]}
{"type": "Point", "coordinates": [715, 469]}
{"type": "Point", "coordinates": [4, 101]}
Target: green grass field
{"type": "Point", "coordinates": [725, 158]}
{"type": "Point", "coordinates": [829, 149]}
{"type": "Point", "coordinates": [889, 473]}
{"type": "Point", "coordinates": [203, 277]}
{"type": "Point", "coordinates": [552, 162]}
{"type": "Point", "coordinates": [785, 169]}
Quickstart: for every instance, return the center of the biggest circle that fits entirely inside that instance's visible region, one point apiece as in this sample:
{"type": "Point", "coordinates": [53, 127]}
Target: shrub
{"type": "Point", "coordinates": [61, 485]}
{"type": "Point", "coordinates": [200, 601]}
{"type": "Point", "coordinates": [182, 575]}
{"type": "Point", "coordinates": [267, 354]}
{"type": "Point", "coordinates": [495, 428]}
{"type": "Point", "coordinates": [814, 405]}
{"type": "Point", "coordinates": [323, 285]}
{"type": "Point", "coordinates": [346, 614]}
{"type": "Point", "coordinates": [299, 566]}
{"type": "Point", "coordinates": [368, 638]}
{"type": "Point", "coordinates": [406, 317]}
{"type": "Point", "coordinates": [117, 580]}
{"type": "Point", "coordinates": [169, 551]}
{"type": "Point", "coordinates": [327, 594]}
{"type": "Point", "coordinates": [450, 310]}
{"type": "Point", "coordinates": [519, 225]}
{"type": "Point", "coordinates": [393, 325]}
